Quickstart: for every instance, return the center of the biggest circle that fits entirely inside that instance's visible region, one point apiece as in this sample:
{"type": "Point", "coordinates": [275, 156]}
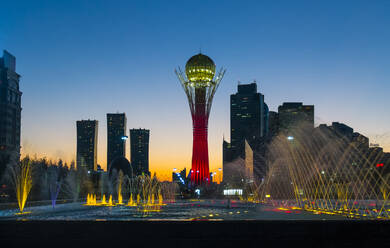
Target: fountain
{"type": "Point", "coordinates": [110, 204]}
{"type": "Point", "coordinates": [54, 182]}
{"type": "Point", "coordinates": [146, 199]}
{"type": "Point", "coordinates": [149, 196]}
{"type": "Point", "coordinates": [325, 176]}
{"type": "Point", "coordinates": [71, 185]}
{"type": "Point", "coordinates": [160, 199]}
{"type": "Point", "coordinates": [103, 201]}
{"type": "Point", "coordinates": [22, 180]}
{"type": "Point", "coordinates": [91, 200]}
{"type": "Point", "coordinates": [120, 179]}
{"type": "Point", "coordinates": [168, 191]}
{"type": "Point", "coordinates": [131, 202]}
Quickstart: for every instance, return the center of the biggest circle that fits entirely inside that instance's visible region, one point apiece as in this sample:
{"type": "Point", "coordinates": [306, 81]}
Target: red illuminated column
{"type": "Point", "coordinates": [200, 153]}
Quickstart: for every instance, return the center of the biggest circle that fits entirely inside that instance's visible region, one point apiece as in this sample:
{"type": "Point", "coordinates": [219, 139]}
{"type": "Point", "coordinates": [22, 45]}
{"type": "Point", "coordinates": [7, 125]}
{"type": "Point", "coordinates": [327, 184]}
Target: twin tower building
{"type": "Point", "coordinates": [87, 136]}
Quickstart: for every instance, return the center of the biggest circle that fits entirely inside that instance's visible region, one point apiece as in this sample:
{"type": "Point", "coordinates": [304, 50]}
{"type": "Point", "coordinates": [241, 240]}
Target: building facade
{"type": "Point", "coordinates": [87, 139]}
{"type": "Point", "coordinates": [295, 117]}
{"type": "Point", "coordinates": [10, 111]}
{"type": "Point", "coordinates": [249, 121]}
{"type": "Point", "coordinates": [116, 137]}
{"type": "Point", "coordinates": [139, 151]}
{"type": "Point", "coordinates": [248, 116]}
{"type": "Point", "coordinates": [273, 123]}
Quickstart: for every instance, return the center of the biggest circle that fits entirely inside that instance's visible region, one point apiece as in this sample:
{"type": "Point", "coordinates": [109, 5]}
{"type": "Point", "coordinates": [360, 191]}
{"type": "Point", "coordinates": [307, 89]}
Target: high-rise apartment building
{"type": "Point", "coordinates": [87, 139]}
{"type": "Point", "coordinates": [10, 111]}
{"type": "Point", "coordinates": [116, 137]}
{"type": "Point", "coordinates": [139, 151]}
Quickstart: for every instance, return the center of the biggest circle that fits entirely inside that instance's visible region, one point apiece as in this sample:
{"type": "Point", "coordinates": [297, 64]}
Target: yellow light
{"type": "Point", "coordinates": [110, 201]}
{"type": "Point", "coordinates": [23, 182]}
{"type": "Point", "coordinates": [104, 200]}
{"type": "Point", "coordinates": [22, 213]}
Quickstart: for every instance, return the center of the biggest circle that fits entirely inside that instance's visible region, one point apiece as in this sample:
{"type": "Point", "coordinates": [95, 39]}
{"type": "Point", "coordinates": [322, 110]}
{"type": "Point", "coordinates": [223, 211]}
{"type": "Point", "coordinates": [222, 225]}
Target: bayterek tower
{"type": "Point", "coordinates": [200, 84]}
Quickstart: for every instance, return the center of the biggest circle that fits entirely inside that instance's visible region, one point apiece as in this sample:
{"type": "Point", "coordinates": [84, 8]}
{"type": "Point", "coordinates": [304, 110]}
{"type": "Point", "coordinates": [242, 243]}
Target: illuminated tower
{"type": "Point", "coordinates": [200, 86]}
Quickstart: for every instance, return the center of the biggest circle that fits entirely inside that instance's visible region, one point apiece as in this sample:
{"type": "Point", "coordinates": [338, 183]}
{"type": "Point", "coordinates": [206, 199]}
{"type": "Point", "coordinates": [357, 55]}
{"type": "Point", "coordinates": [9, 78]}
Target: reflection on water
{"type": "Point", "coordinates": [210, 210]}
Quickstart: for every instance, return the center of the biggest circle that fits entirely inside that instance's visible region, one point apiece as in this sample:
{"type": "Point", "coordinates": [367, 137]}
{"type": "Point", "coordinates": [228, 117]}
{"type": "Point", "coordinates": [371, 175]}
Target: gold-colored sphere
{"type": "Point", "coordinates": [200, 69]}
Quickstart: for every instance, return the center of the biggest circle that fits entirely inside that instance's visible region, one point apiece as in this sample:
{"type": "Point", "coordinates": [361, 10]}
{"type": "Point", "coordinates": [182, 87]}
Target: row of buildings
{"type": "Point", "coordinates": [87, 130]}
{"type": "Point", "coordinates": [253, 128]}
{"type": "Point", "coordinates": [256, 132]}
{"type": "Point", "coordinates": [87, 139]}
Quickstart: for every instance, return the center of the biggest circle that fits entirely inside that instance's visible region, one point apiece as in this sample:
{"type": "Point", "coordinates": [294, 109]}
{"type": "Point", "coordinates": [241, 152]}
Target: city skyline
{"type": "Point", "coordinates": [132, 66]}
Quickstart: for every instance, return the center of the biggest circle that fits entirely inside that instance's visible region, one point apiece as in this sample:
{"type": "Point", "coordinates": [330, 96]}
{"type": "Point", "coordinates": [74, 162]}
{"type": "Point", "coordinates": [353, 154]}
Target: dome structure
{"type": "Point", "coordinates": [200, 69]}
{"type": "Point", "coordinates": [121, 164]}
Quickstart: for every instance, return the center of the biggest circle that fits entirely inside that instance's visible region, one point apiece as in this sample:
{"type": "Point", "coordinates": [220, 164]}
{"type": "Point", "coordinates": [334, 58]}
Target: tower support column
{"type": "Point", "coordinates": [200, 155]}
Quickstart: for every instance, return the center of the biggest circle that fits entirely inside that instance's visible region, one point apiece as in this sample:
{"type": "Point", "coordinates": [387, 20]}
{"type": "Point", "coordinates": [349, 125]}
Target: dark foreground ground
{"type": "Point", "coordinates": [194, 233]}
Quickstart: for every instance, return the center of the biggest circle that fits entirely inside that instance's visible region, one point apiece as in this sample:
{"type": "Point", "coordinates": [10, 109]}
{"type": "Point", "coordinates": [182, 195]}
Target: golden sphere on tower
{"type": "Point", "coordinates": [200, 69]}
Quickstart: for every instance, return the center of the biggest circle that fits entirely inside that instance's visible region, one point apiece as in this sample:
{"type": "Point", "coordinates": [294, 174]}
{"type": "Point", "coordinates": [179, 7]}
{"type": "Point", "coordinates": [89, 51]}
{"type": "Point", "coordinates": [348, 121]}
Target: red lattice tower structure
{"type": "Point", "coordinates": [200, 84]}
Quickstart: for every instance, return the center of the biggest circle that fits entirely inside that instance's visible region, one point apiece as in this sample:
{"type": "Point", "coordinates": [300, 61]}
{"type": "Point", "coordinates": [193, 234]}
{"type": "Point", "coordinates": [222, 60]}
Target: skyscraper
{"type": "Point", "coordinates": [116, 137]}
{"type": "Point", "coordinates": [87, 138]}
{"type": "Point", "coordinates": [200, 85]}
{"type": "Point", "coordinates": [295, 117]}
{"type": "Point", "coordinates": [139, 150]}
{"type": "Point", "coordinates": [10, 111]}
{"type": "Point", "coordinates": [248, 117]}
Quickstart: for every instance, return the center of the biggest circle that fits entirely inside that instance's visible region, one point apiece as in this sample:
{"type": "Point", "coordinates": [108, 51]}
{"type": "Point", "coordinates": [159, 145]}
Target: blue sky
{"type": "Point", "coordinates": [82, 59]}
